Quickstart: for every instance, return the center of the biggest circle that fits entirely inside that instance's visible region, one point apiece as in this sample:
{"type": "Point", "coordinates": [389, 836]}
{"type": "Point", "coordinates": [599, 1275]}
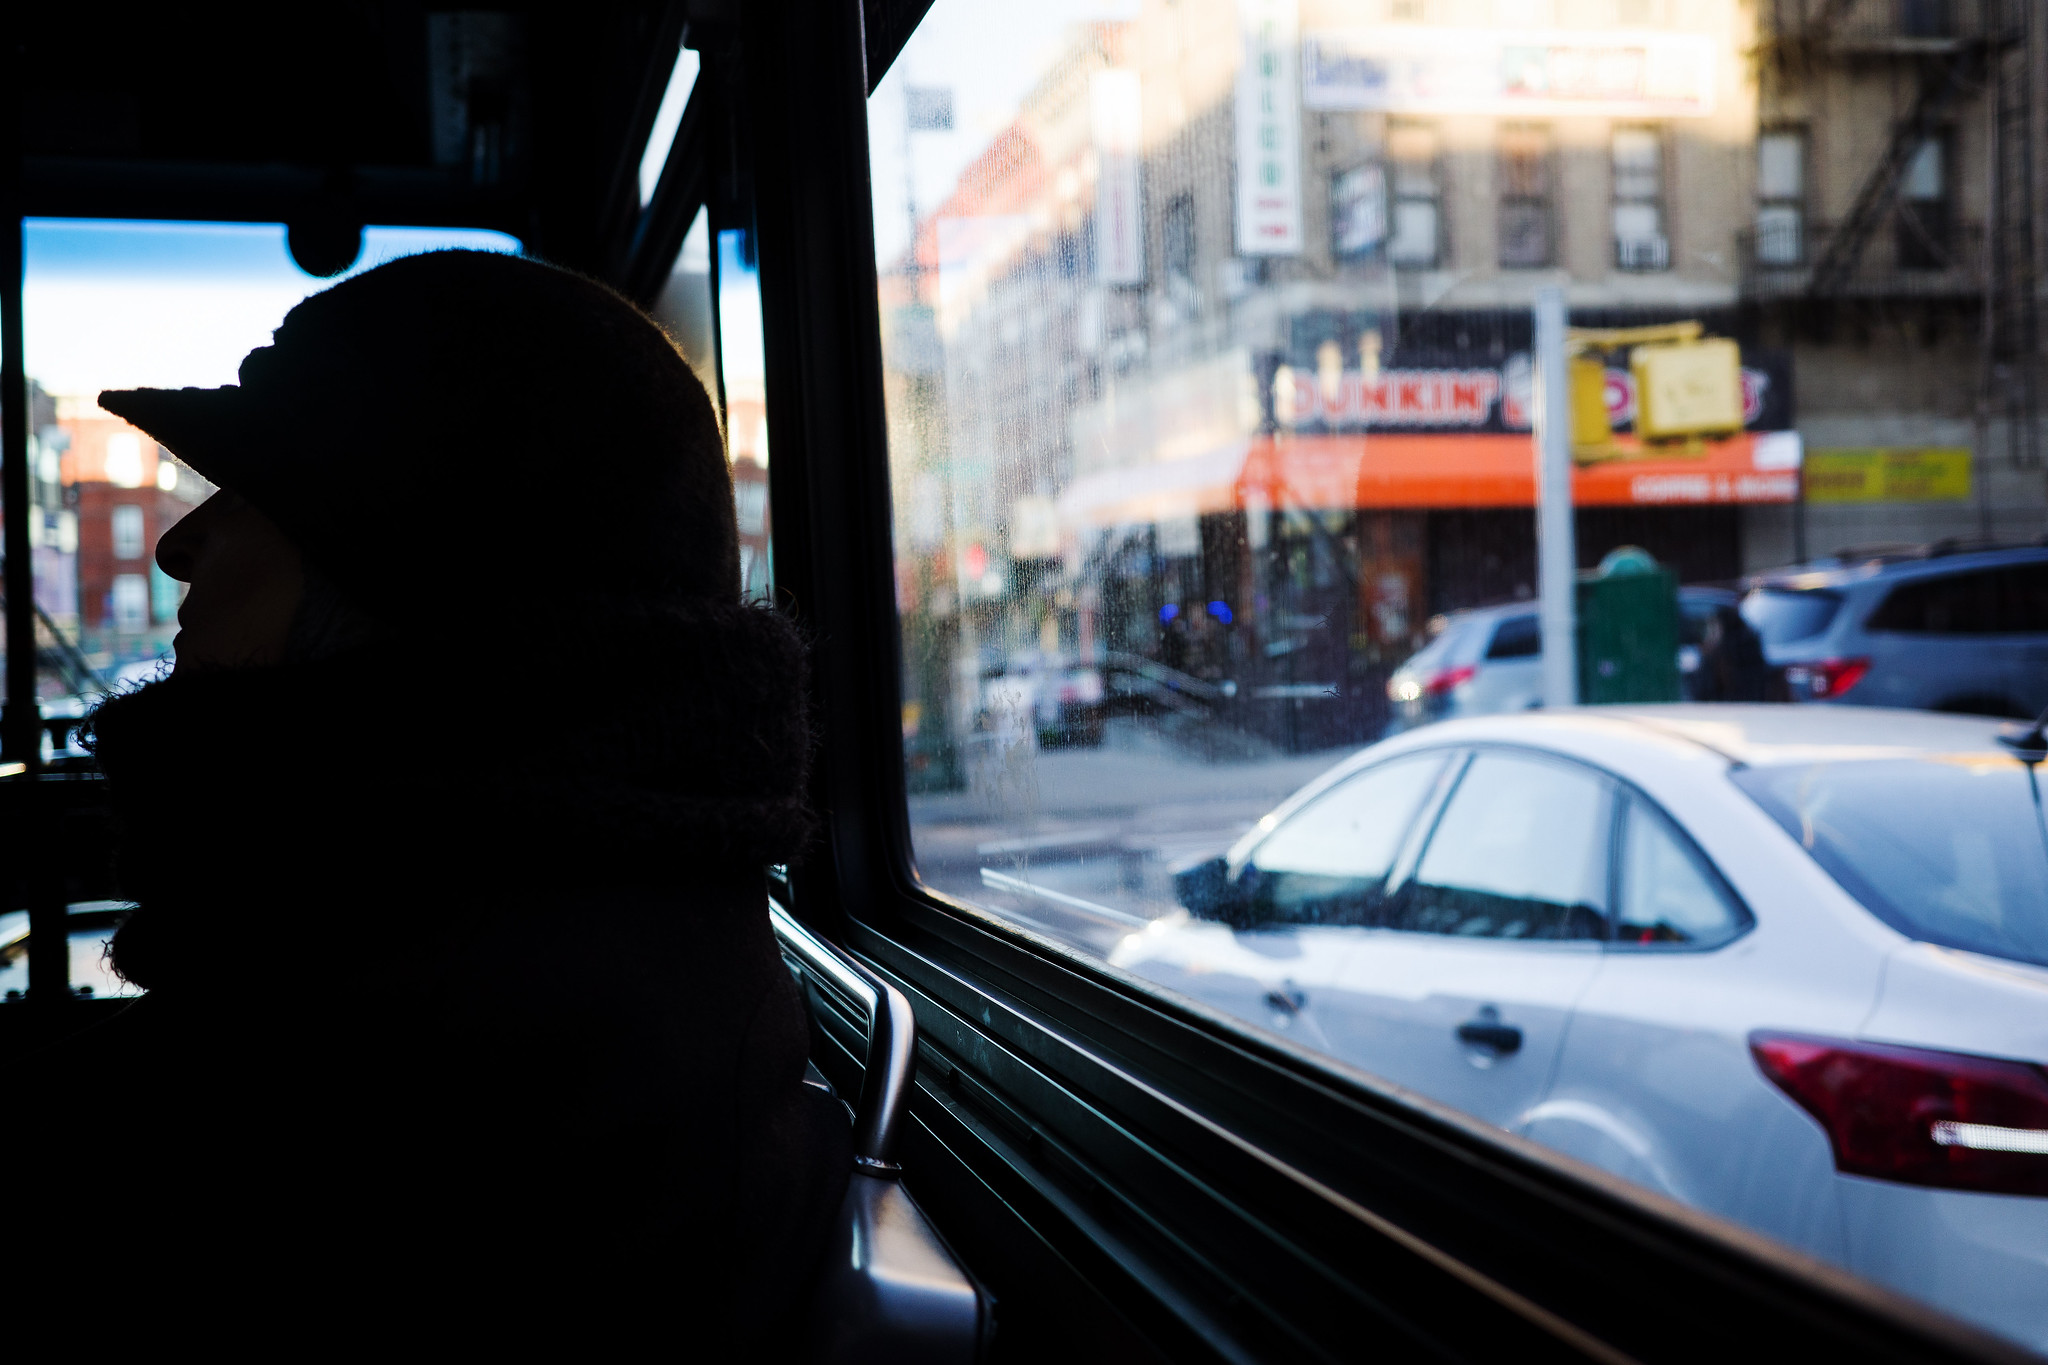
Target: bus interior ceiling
{"type": "Point", "coordinates": [527, 119]}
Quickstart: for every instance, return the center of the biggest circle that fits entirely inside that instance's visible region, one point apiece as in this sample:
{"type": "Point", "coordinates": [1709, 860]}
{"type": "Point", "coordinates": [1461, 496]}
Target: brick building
{"type": "Point", "coordinates": [125, 493]}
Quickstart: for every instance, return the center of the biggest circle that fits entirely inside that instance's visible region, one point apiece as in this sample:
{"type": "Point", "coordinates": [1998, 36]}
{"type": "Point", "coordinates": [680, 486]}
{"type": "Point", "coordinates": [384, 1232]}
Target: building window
{"type": "Point", "coordinates": [131, 603]}
{"type": "Point", "coordinates": [1417, 219]}
{"type": "Point", "coordinates": [1639, 240]}
{"type": "Point", "coordinates": [1923, 218]}
{"type": "Point", "coordinates": [1179, 255]}
{"type": "Point", "coordinates": [128, 532]}
{"type": "Point", "coordinates": [1525, 221]}
{"type": "Point", "coordinates": [1781, 197]}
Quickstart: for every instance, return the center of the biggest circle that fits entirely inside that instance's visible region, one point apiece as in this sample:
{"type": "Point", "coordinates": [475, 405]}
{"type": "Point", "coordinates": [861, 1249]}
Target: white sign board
{"type": "Point", "coordinates": [1116, 115]}
{"type": "Point", "coordinates": [1509, 73]}
{"type": "Point", "coordinates": [1268, 130]}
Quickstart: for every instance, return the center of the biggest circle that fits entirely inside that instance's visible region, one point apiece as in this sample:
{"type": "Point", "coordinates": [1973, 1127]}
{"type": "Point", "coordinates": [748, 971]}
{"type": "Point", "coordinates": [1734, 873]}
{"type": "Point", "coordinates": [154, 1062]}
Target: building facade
{"type": "Point", "coordinates": [124, 492]}
{"type": "Point", "coordinates": [1219, 350]}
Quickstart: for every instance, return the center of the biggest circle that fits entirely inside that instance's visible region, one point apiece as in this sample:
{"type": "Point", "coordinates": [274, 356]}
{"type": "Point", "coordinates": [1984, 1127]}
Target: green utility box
{"type": "Point", "coordinates": [1628, 630]}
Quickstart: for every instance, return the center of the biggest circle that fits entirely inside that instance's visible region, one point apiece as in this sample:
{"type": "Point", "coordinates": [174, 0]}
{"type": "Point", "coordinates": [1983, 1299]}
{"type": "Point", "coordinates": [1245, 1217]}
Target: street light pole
{"type": "Point", "coordinates": [1556, 553]}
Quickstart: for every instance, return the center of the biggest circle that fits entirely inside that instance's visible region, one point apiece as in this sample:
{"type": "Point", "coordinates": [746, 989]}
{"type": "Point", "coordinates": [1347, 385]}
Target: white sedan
{"type": "Point", "coordinates": [1789, 965]}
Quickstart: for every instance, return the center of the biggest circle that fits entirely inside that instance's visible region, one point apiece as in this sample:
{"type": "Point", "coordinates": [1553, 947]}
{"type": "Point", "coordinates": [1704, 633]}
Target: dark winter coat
{"type": "Point", "coordinates": [465, 1023]}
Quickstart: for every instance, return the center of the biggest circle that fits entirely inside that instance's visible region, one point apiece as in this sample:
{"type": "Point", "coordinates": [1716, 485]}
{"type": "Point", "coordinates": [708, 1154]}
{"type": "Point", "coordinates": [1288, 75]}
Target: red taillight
{"type": "Point", "coordinates": [1918, 1116]}
{"type": "Point", "coordinates": [1827, 677]}
{"type": "Point", "coordinates": [1449, 678]}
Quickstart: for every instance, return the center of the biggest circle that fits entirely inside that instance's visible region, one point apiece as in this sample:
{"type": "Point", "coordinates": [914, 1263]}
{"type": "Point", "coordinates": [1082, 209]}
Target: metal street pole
{"type": "Point", "coordinates": [1556, 554]}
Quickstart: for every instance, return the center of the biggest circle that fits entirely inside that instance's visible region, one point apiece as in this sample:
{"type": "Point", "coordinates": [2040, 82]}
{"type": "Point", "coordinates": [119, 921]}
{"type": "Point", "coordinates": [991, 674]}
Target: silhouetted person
{"type": "Point", "coordinates": [464, 1020]}
{"type": "Point", "coordinates": [1732, 664]}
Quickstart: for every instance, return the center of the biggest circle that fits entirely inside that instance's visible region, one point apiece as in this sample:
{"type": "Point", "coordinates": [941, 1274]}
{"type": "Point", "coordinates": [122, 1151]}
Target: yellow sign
{"type": "Point", "coordinates": [1894, 474]}
{"type": "Point", "coordinates": [1687, 388]}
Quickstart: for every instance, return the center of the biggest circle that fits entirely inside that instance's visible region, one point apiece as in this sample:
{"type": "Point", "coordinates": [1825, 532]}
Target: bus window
{"type": "Point", "coordinates": [1210, 366]}
{"type": "Point", "coordinates": [742, 373]}
{"type": "Point", "coordinates": [119, 304]}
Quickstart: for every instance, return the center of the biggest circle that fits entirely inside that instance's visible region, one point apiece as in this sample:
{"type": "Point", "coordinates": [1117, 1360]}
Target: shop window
{"type": "Point", "coordinates": [1639, 237]}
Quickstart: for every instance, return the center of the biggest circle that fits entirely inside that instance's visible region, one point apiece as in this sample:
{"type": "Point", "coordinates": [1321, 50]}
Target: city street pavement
{"type": "Point", "coordinates": [1080, 844]}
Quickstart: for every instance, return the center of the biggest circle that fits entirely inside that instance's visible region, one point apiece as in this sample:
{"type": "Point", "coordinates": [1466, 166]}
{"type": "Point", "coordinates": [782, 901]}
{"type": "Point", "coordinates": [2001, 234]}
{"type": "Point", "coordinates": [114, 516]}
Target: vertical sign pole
{"type": "Point", "coordinates": [1556, 555]}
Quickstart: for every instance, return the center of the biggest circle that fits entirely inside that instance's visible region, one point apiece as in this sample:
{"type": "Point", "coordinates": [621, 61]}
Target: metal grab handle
{"type": "Point", "coordinates": [892, 1041]}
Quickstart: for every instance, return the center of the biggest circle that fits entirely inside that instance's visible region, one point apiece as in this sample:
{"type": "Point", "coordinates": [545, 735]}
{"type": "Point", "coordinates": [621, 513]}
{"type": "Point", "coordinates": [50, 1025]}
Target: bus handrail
{"type": "Point", "coordinates": [892, 1041]}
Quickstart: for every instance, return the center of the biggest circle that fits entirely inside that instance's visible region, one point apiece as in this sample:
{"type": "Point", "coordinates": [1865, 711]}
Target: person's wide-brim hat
{"type": "Point", "coordinates": [451, 432]}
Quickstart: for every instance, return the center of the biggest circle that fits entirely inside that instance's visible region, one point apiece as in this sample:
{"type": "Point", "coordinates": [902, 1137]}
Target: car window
{"type": "Point", "coordinates": [2023, 599]}
{"type": "Point", "coordinates": [1950, 852]}
{"type": "Point", "coordinates": [1516, 638]}
{"type": "Point", "coordinates": [1667, 891]}
{"type": "Point", "coordinates": [1327, 863]}
{"type": "Point", "coordinates": [1953, 604]}
{"type": "Point", "coordinates": [1520, 851]}
{"type": "Point", "coordinates": [1784, 615]}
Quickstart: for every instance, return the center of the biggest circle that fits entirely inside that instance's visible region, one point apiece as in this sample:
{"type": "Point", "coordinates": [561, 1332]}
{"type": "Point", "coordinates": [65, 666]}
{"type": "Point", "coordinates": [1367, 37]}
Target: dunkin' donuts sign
{"type": "Point", "coordinates": [1458, 399]}
{"type": "Point", "coordinates": [1395, 398]}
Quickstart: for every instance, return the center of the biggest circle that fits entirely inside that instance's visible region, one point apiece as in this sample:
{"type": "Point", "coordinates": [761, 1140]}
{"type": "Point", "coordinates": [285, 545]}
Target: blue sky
{"type": "Point", "coordinates": [119, 304]}
{"type": "Point", "coordinates": [989, 55]}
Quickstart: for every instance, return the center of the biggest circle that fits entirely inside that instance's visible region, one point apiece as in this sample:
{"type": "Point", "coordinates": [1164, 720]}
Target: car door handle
{"type": "Point", "coordinates": [1289, 999]}
{"type": "Point", "coordinates": [1492, 1034]}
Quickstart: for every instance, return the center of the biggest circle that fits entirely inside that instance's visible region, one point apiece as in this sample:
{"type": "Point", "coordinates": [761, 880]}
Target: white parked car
{"type": "Point", "coordinates": [1789, 965]}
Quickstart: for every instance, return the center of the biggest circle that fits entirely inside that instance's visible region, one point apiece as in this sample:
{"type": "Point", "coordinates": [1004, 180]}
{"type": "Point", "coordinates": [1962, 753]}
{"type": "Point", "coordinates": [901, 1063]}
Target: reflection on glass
{"type": "Point", "coordinates": [668, 118]}
{"type": "Point", "coordinates": [1207, 350]}
{"type": "Point", "coordinates": [743, 381]}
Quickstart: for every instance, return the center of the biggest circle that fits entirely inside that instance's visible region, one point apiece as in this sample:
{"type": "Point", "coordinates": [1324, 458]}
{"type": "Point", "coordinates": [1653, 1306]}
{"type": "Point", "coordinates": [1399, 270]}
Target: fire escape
{"type": "Point", "coordinates": [1960, 52]}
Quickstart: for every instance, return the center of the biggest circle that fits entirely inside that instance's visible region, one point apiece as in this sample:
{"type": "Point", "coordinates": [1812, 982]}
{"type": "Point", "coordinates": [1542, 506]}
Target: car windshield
{"type": "Point", "coordinates": [1976, 877]}
{"type": "Point", "coordinates": [1783, 615]}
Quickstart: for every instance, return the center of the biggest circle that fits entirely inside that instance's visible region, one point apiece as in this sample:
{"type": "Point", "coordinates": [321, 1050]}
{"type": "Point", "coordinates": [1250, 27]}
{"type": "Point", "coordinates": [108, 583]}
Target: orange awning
{"type": "Point", "coordinates": [1481, 469]}
{"type": "Point", "coordinates": [1493, 470]}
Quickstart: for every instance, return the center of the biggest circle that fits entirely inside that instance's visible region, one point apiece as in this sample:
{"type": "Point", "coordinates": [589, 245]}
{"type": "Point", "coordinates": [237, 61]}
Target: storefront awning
{"type": "Point", "coordinates": [1371, 471]}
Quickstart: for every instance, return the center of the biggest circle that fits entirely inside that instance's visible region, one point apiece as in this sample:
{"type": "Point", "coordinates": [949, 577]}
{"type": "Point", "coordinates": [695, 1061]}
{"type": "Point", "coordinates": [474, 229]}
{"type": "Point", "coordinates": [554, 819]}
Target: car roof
{"type": "Point", "coordinates": [1470, 616]}
{"type": "Point", "coordinates": [1857, 565]}
{"type": "Point", "coordinates": [1758, 735]}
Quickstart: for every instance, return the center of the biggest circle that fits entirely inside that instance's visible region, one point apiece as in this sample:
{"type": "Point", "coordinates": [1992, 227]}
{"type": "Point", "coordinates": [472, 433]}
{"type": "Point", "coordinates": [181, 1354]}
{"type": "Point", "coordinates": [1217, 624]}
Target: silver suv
{"type": "Point", "coordinates": [1489, 661]}
{"type": "Point", "coordinates": [1939, 628]}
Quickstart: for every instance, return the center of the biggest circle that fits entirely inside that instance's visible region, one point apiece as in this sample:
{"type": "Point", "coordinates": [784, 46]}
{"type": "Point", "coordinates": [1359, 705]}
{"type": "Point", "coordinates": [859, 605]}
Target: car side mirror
{"type": "Point", "coordinates": [1207, 892]}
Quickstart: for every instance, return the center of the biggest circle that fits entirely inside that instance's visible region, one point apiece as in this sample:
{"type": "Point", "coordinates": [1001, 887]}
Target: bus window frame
{"type": "Point", "coordinates": [1125, 1169]}
{"type": "Point", "coordinates": [1138, 1166]}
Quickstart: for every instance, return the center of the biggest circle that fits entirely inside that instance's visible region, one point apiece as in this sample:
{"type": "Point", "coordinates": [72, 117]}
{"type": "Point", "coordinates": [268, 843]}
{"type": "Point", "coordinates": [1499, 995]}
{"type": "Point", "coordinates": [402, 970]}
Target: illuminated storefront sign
{"type": "Point", "coordinates": [1433, 398]}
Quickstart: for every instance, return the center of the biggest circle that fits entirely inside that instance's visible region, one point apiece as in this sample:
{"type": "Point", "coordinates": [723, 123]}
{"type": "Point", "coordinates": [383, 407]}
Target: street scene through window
{"type": "Point", "coordinates": [114, 304]}
{"type": "Point", "coordinates": [1500, 543]}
